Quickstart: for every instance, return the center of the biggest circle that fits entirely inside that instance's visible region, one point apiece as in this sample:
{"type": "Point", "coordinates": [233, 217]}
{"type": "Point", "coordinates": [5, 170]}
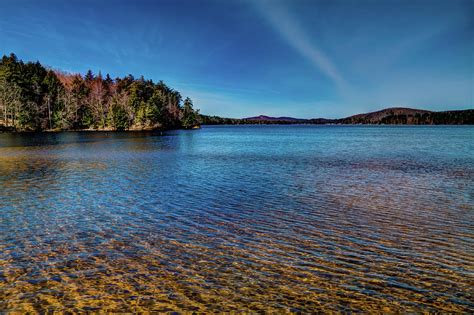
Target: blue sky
{"type": "Point", "coordinates": [243, 58]}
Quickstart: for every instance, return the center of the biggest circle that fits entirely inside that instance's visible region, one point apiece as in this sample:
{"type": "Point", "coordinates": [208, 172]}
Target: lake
{"type": "Point", "coordinates": [228, 218]}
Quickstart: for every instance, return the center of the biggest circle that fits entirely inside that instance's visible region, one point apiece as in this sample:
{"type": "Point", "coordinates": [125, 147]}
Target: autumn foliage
{"type": "Point", "coordinates": [35, 98]}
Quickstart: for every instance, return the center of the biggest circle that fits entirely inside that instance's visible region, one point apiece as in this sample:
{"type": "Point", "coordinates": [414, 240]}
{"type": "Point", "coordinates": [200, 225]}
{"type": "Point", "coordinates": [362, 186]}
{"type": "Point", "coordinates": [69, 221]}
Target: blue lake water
{"type": "Point", "coordinates": [227, 218]}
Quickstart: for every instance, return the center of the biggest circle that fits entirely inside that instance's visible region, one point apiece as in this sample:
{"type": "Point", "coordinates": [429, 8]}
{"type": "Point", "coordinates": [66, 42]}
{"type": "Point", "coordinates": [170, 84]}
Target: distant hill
{"type": "Point", "coordinates": [257, 120]}
{"type": "Point", "coordinates": [378, 116]}
{"type": "Point", "coordinates": [409, 116]}
{"type": "Point", "coordinates": [388, 116]}
{"type": "Point", "coordinates": [268, 118]}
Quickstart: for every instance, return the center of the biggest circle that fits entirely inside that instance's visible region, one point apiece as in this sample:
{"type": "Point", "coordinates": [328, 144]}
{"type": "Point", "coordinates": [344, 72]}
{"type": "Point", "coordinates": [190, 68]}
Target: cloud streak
{"type": "Point", "coordinates": [288, 28]}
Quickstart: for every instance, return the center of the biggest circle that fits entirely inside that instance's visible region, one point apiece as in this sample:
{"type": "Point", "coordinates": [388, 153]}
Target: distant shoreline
{"type": "Point", "coordinates": [223, 125]}
{"type": "Point", "coordinates": [337, 125]}
{"type": "Point", "coordinates": [385, 117]}
{"type": "Point", "coordinates": [146, 129]}
{"type": "Point", "coordinates": [389, 116]}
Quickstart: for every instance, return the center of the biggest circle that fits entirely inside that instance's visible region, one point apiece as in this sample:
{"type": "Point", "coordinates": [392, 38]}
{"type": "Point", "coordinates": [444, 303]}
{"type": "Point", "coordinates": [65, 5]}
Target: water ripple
{"type": "Point", "coordinates": [275, 219]}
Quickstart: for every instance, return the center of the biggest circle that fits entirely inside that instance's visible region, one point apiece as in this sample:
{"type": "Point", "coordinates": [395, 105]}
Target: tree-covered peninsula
{"type": "Point", "coordinates": [36, 98]}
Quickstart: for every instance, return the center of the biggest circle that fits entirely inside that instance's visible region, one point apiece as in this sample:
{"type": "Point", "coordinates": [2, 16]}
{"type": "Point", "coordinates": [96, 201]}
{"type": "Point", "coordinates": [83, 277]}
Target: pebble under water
{"type": "Point", "coordinates": [239, 218]}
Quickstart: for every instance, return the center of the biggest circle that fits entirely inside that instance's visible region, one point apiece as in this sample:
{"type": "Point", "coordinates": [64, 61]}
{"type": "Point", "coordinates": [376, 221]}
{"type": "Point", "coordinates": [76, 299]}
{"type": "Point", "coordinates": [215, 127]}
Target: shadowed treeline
{"type": "Point", "coordinates": [34, 98]}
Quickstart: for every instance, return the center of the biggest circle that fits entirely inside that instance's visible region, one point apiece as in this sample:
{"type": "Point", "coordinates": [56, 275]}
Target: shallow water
{"type": "Point", "coordinates": [274, 218]}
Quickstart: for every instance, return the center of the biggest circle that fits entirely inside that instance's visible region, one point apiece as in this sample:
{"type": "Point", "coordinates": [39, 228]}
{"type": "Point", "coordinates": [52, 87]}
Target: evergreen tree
{"type": "Point", "coordinates": [89, 76]}
{"type": "Point", "coordinates": [190, 116]}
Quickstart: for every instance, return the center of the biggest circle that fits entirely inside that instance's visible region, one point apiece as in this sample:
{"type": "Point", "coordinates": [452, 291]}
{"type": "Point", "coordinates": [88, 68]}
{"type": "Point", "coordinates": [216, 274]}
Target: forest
{"type": "Point", "coordinates": [37, 98]}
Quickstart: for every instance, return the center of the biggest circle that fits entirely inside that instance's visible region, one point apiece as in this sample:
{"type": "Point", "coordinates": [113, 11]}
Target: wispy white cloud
{"type": "Point", "coordinates": [289, 28]}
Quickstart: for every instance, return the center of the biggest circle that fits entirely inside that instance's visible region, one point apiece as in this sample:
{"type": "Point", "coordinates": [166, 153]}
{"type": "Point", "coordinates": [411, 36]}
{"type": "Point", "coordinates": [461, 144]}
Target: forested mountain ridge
{"type": "Point", "coordinates": [388, 116]}
{"type": "Point", "coordinates": [409, 116]}
{"type": "Point", "coordinates": [34, 98]}
{"type": "Point", "coordinates": [263, 117]}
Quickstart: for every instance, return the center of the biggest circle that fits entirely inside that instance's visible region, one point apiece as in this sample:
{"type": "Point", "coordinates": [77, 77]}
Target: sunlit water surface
{"type": "Point", "coordinates": [274, 218]}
